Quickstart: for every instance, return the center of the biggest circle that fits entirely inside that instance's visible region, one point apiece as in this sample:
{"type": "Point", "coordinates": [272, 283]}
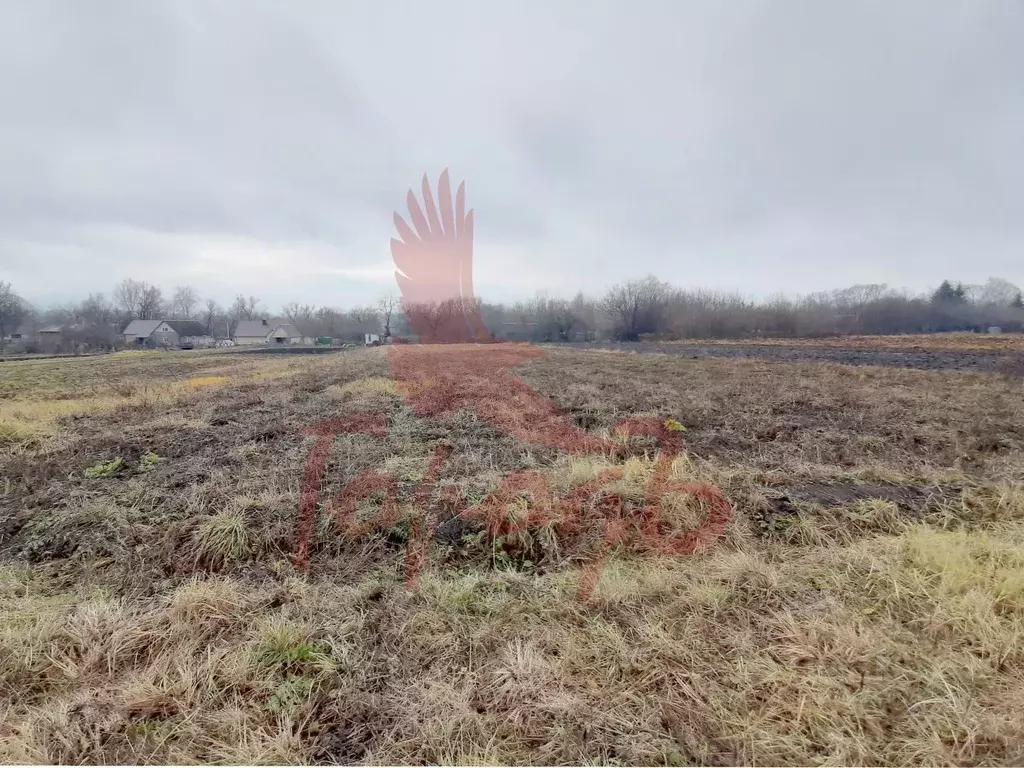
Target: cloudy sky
{"type": "Point", "coordinates": [757, 145]}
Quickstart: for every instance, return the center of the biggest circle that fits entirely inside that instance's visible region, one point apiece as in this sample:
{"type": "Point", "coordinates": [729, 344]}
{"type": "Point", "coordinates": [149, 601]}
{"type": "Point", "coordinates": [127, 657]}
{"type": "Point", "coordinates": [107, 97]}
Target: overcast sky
{"type": "Point", "coordinates": [261, 147]}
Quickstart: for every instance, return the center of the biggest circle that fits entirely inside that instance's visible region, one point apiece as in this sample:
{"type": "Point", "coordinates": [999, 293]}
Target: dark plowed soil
{"type": "Point", "coordinates": [938, 359]}
{"type": "Point", "coordinates": [287, 349]}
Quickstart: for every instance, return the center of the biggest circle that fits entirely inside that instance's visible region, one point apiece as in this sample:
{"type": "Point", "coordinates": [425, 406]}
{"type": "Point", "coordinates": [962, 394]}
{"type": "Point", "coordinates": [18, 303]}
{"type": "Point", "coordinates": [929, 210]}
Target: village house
{"type": "Point", "coordinates": [162, 332]}
{"type": "Point", "coordinates": [49, 338]}
{"type": "Point", "coordinates": [266, 331]}
{"type": "Point", "coordinates": [24, 332]}
{"type": "Point", "coordinates": [20, 336]}
{"type": "Point", "coordinates": [64, 338]}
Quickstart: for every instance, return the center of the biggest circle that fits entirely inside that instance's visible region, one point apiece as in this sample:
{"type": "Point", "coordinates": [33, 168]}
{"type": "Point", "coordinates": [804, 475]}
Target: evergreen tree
{"type": "Point", "coordinates": [944, 294]}
{"type": "Point", "coordinates": [1018, 301]}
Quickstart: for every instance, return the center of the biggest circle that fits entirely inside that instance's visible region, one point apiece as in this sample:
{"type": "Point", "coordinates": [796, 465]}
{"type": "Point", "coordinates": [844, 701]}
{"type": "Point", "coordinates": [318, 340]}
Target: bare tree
{"type": "Point", "coordinates": [128, 296]}
{"type": "Point", "coordinates": [998, 291]}
{"type": "Point", "coordinates": [152, 304]}
{"type": "Point", "coordinates": [441, 322]}
{"type": "Point", "coordinates": [184, 301]}
{"type": "Point", "coordinates": [95, 310]}
{"type": "Point", "coordinates": [138, 299]}
{"type": "Point", "coordinates": [328, 321]}
{"type": "Point", "coordinates": [302, 316]}
{"type": "Point", "coordinates": [12, 311]}
{"type": "Point", "coordinates": [363, 320]}
{"type": "Point", "coordinates": [386, 306]}
{"type": "Point", "coordinates": [553, 319]}
{"type": "Point", "coordinates": [210, 312]}
{"type": "Point", "coordinates": [244, 308]}
{"type": "Point", "coordinates": [585, 312]}
{"type": "Point", "coordinates": [425, 319]}
{"type": "Point", "coordinates": [636, 307]}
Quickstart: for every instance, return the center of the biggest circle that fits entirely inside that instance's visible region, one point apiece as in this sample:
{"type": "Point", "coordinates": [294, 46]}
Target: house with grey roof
{"type": "Point", "coordinates": [162, 332]}
{"type": "Point", "coordinates": [266, 331]}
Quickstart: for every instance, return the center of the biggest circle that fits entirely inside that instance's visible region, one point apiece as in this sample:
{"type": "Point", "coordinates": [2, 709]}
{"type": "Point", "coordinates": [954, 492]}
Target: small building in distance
{"type": "Point", "coordinates": [161, 332]}
{"type": "Point", "coordinates": [266, 331]}
{"type": "Point", "coordinates": [49, 338]}
{"type": "Point", "coordinates": [24, 332]}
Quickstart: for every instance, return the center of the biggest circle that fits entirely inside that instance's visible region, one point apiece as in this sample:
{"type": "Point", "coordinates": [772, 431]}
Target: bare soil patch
{"type": "Point", "coordinates": [901, 357]}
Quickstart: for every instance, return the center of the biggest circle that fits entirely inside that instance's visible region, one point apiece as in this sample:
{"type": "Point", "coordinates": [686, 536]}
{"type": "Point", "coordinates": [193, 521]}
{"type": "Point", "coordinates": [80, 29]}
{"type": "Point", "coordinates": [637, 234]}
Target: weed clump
{"type": "Point", "coordinates": [223, 538]}
{"type": "Point", "coordinates": [105, 468]}
{"type": "Point", "coordinates": [149, 460]}
{"type": "Point", "coordinates": [285, 646]}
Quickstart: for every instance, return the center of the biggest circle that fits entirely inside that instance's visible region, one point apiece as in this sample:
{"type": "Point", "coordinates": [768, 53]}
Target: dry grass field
{"type": "Point", "coordinates": [943, 341]}
{"type": "Point", "coordinates": [863, 605]}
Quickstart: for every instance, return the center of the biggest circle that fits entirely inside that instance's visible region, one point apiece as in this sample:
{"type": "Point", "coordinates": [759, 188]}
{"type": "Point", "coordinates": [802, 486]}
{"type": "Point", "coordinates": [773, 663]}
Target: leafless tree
{"type": "Point", "coordinates": [138, 299]}
{"type": "Point", "coordinates": [128, 296]}
{"type": "Point", "coordinates": [554, 319]}
{"type": "Point", "coordinates": [585, 312]}
{"type": "Point", "coordinates": [424, 319]}
{"type": "Point", "coordinates": [96, 309]}
{"type": "Point", "coordinates": [363, 320]}
{"type": "Point", "coordinates": [211, 311]}
{"type": "Point", "coordinates": [441, 322]}
{"type": "Point", "coordinates": [152, 304]}
{"type": "Point", "coordinates": [302, 317]}
{"type": "Point", "coordinates": [637, 307]}
{"type": "Point", "coordinates": [328, 321]}
{"type": "Point", "coordinates": [386, 306]}
{"type": "Point", "coordinates": [184, 301]}
{"type": "Point", "coordinates": [12, 311]}
{"type": "Point", "coordinates": [999, 292]}
{"type": "Point", "coordinates": [244, 308]}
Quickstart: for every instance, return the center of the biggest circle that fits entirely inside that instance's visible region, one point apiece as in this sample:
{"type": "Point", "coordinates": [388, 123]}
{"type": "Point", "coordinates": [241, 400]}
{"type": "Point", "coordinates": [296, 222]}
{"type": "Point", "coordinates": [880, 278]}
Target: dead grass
{"type": "Point", "coordinates": [1013, 367]}
{"type": "Point", "coordinates": [865, 604]}
{"type": "Point", "coordinates": [36, 395]}
{"type": "Point", "coordinates": [224, 537]}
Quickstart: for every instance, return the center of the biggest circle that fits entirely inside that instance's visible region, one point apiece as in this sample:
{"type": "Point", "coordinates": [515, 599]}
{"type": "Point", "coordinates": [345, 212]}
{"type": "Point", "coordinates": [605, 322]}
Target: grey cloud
{"type": "Point", "coordinates": [705, 142]}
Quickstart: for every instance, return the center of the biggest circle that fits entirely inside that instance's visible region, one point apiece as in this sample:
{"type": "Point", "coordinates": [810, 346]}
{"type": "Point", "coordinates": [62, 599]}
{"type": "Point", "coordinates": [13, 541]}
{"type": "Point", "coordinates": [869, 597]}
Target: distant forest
{"type": "Point", "coordinates": [639, 309]}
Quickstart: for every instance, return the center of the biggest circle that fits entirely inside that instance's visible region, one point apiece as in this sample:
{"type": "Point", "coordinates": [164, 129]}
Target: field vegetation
{"type": "Point", "coordinates": [863, 604]}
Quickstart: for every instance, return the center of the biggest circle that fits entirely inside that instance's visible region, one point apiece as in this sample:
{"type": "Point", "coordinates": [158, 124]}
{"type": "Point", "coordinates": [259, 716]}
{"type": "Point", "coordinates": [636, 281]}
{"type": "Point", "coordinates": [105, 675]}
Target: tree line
{"type": "Point", "coordinates": [647, 308]}
{"type": "Point", "coordinates": [653, 309]}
